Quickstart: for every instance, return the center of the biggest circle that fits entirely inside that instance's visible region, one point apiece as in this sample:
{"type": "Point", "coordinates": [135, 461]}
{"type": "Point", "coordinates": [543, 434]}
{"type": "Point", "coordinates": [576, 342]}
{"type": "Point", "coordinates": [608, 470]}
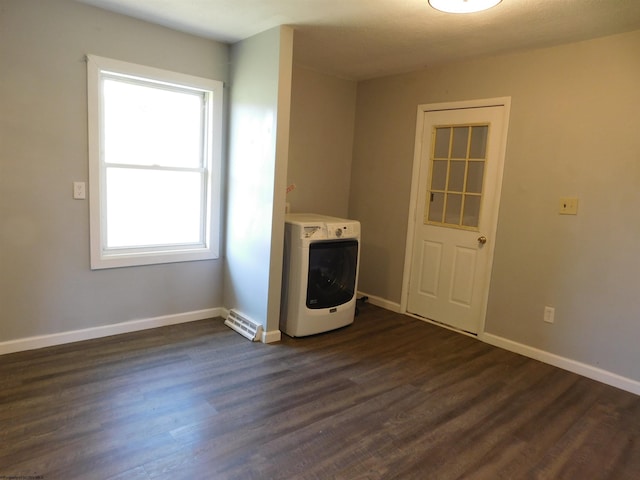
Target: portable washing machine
{"type": "Point", "coordinates": [320, 273]}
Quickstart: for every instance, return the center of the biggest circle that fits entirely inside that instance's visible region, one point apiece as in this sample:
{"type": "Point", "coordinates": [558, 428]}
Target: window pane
{"type": "Point", "coordinates": [439, 175]}
{"type": "Point", "coordinates": [471, 215]}
{"type": "Point", "coordinates": [456, 175]}
{"type": "Point", "coordinates": [149, 125]}
{"type": "Point", "coordinates": [435, 207]}
{"type": "Point", "coordinates": [453, 210]}
{"type": "Point", "coordinates": [441, 149]}
{"type": "Point", "coordinates": [151, 207]}
{"type": "Point", "coordinates": [475, 174]}
{"type": "Point", "coordinates": [460, 141]}
{"type": "Point", "coordinates": [478, 142]}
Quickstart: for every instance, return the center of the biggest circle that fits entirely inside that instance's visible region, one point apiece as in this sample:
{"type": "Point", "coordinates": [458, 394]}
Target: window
{"type": "Point", "coordinates": [155, 146]}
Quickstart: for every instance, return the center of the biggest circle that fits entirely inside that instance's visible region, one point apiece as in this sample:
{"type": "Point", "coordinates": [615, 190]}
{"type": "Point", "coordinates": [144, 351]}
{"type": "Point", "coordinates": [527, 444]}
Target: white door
{"type": "Point", "coordinates": [460, 155]}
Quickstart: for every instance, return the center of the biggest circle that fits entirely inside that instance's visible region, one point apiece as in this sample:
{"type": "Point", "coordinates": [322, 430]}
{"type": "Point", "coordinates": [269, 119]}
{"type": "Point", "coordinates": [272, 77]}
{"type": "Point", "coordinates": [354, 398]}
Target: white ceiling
{"type": "Point", "coordinates": [360, 39]}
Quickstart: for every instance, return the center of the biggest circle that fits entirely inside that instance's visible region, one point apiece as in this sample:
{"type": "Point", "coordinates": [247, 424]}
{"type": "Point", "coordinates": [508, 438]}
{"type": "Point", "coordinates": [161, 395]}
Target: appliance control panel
{"type": "Point", "coordinates": [318, 227]}
{"type": "Point", "coordinates": [343, 230]}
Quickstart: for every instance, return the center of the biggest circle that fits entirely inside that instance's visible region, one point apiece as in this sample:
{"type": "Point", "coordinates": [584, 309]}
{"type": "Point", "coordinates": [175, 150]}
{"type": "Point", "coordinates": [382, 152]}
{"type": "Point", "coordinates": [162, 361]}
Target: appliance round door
{"type": "Point", "coordinates": [332, 273]}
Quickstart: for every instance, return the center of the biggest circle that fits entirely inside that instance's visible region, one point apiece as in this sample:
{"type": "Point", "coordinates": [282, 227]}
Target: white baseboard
{"type": "Point", "coordinates": [586, 370]}
{"type": "Point", "coordinates": [271, 337]}
{"type": "Point", "coordinates": [41, 341]}
{"type": "Point", "coordinates": [380, 302]}
{"type": "Point", "coordinates": [580, 368]}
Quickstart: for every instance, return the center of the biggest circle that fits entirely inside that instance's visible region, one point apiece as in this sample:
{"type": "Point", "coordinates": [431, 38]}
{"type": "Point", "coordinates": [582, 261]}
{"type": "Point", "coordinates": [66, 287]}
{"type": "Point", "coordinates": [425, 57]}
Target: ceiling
{"type": "Point", "coordinates": [361, 39]}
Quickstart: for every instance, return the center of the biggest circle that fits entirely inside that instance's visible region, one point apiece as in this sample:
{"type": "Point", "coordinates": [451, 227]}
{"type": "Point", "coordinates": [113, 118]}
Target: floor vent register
{"type": "Point", "coordinates": [245, 327]}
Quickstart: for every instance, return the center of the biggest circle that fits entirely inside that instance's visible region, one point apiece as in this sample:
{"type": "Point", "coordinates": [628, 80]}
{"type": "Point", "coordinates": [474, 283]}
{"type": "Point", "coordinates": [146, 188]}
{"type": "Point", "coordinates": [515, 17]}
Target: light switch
{"type": "Point", "coordinates": [568, 206]}
{"type": "Point", "coordinates": [79, 190]}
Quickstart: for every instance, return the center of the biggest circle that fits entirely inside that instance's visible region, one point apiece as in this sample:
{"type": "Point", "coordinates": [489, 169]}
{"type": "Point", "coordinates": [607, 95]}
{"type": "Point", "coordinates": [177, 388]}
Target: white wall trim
{"type": "Point", "coordinates": [271, 336]}
{"type": "Point", "coordinates": [583, 369]}
{"type": "Point", "coordinates": [589, 371]}
{"type": "Point", "coordinates": [380, 302]}
{"type": "Point", "coordinates": [41, 341]}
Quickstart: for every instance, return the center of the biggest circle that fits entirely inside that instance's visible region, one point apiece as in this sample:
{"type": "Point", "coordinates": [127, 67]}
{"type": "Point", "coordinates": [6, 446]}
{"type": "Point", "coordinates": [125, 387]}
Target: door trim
{"type": "Point", "coordinates": [504, 102]}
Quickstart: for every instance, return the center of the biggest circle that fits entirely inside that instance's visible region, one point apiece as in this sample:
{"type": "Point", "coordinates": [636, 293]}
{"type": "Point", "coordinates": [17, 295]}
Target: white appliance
{"type": "Point", "coordinates": [320, 273]}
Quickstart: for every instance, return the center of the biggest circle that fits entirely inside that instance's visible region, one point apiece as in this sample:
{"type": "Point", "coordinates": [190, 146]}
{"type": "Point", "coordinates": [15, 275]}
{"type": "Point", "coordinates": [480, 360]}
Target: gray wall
{"type": "Point", "coordinates": [321, 142]}
{"type": "Point", "coordinates": [258, 146]}
{"type": "Point", "coordinates": [46, 285]}
{"type": "Point", "coordinates": [573, 132]}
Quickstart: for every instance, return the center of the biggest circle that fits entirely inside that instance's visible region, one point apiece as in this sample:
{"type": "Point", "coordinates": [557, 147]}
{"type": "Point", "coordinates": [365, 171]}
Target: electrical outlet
{"type": "Point", "coordinates": [79, 190]}
{"type": "Point", "coordinates": [549, 314]}
{"type": "Point", "coordinates": [568, 206]}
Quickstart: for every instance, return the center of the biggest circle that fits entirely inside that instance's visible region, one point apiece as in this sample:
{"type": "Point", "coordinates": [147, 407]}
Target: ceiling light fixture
{"type": "Point", "coordinates": [463, 6]}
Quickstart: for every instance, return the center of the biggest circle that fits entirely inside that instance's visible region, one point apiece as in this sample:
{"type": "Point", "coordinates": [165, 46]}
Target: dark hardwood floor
{"type": "Point", "coordinates": [386, 398]}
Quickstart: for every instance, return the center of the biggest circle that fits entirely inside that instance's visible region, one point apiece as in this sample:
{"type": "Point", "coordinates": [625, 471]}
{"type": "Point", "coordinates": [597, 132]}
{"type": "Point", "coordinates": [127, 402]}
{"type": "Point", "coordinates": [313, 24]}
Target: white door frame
{"type": "Point", "coordinates": [417, 160]}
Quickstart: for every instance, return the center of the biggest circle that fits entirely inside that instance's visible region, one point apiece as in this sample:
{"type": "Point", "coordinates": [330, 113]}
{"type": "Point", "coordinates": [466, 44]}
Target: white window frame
{"type": "Point", "coordinates": [103, 257]}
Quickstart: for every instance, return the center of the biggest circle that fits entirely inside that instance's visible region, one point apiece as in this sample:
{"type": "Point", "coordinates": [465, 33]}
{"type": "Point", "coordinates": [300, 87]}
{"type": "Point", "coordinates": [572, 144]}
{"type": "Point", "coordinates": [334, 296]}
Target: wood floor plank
{"type": "Point", "coordinates": [388, 397]}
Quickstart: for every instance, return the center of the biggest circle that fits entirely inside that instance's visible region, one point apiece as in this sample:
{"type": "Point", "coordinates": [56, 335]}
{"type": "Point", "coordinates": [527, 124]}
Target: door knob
{"type": "Point", "coordinates": [482, 239]}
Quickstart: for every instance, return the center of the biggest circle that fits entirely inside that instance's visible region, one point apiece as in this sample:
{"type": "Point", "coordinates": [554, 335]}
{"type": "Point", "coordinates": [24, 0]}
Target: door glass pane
{"type": "Point", "coordinates": [460, 141]}
{"type": "Point", "coordinates": [453, 209]}
{"type": "Point", "coordinates": [441, 149]}
{"type": "Point", "coordinates": [475, 173]}
{"type": "Point", "coordinates": [436, 207]}
{"type": "Point", "coordinates": [439, 175]}
{"type": "Point", "coordinates": [456, 176]}
{"type": "Point", "coordinates": [478, 147]}
{"type": "Point", "coordinates": [471, 215]}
